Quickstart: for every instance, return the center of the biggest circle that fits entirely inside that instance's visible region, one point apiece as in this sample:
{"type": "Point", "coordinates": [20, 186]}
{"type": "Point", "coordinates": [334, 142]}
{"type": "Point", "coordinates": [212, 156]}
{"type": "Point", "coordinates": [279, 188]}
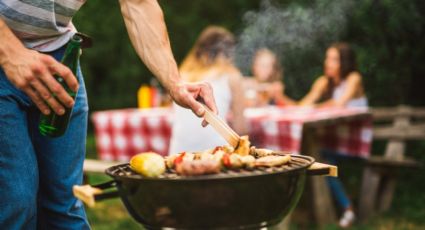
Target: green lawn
{"type": "Point", "coordinates": [109, 214]}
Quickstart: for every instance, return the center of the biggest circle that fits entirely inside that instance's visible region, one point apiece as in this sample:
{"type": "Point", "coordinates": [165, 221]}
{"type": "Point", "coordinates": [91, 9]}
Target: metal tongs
{"type": "Point", "coordinates": [221, 127]}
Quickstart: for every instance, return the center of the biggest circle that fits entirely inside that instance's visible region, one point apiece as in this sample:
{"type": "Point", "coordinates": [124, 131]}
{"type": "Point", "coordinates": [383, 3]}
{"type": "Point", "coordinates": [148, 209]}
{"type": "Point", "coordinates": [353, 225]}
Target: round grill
{"type": "Point", "coordinates": [297, 162]}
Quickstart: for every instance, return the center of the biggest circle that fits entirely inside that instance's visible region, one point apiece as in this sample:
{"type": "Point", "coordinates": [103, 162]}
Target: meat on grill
{"type": "Point", "coordinates": [222, 158]}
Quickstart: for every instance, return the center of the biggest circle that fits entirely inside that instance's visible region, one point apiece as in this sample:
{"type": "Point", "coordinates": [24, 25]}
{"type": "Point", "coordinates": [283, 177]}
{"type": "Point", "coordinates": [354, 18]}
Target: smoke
{"type": "Point", "coordinates": [291, 30]}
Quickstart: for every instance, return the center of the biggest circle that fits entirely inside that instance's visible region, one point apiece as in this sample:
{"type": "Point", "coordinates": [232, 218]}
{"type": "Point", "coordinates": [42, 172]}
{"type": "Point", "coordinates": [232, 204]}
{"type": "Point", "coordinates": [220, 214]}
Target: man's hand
{"type": "Point", "coordinates": [32, 72]}
{"type": "Point", "coordinates": [189, 95]}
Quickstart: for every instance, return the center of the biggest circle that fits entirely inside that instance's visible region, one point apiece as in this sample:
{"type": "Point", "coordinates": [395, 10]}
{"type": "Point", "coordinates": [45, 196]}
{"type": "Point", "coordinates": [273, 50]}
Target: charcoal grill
{"type": "Point", "coordinates": [232, 199]}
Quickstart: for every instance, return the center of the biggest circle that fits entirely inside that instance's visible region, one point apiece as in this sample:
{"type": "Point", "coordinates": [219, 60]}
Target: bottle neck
{"type": "Point", "coordinates": [72, 53]}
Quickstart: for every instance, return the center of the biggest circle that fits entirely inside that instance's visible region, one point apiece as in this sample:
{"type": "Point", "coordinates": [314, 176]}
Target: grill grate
{"type": "Point", "coordinates": [296, 162]}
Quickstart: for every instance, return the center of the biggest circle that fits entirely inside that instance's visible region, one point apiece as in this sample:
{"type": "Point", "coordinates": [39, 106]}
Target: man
{"type": "Point", "coordinates": [37, 173]}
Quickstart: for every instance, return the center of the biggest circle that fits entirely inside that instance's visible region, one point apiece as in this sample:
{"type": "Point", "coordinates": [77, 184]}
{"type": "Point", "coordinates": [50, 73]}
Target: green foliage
{"type": "Point", "coordinates": [112, 69]}
{"type": "Point", "coordinates": [387, 36]}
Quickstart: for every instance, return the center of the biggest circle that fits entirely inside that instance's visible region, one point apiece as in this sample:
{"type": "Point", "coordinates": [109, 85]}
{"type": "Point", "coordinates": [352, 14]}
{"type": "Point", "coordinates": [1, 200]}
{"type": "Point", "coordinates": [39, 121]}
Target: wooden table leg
{"type": "Point", "coordinates": [369, 193]}
{"type": "Point", "coordinates": [323, 208]}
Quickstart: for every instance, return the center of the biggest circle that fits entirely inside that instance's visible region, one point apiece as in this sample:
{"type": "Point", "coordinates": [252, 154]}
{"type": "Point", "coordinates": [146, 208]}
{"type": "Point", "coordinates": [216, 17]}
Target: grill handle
{"type": "Point", "coordinates": [322, 170]}
{"type": "Point", "coordinates": [90, 194]}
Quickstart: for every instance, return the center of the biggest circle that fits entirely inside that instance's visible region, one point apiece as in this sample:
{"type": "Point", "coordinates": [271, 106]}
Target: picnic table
{"type": "Point", "coordinates": [302, 130]}
{"type": "Point", "coordinates": [307, 130]}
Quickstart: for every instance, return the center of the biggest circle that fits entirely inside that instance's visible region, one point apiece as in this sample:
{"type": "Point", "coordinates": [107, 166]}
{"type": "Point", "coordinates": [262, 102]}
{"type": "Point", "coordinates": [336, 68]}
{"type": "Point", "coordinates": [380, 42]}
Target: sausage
{"type": "Point", "coordinates": [272, 160]}
{"type": "Point", "coordinates": [198, 167]}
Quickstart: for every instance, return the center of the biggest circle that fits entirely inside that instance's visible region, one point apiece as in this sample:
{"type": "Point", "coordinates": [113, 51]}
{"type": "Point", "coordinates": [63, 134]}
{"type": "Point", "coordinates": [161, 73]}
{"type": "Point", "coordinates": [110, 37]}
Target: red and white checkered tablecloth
{"type": "Point", "coordinates": [121, 134]}
{"type": "Point", "coordinates": [282, 128]}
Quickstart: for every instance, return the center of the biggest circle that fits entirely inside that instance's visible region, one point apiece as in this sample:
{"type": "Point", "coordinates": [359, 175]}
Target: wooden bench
{"type": "Point", "coordinates": [96, 166]}
{"type": "Point", "coordinates": [380, 172]}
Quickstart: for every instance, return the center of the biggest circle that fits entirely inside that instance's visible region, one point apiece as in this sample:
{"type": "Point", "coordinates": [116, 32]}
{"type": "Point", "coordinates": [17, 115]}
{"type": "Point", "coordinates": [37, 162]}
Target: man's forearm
{"type": "Point", "coordinates": [146, 27]}
{"type": "Point", "coordinates": [8, 42]}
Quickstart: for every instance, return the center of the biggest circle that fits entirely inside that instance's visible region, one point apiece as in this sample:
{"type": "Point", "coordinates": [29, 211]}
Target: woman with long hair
{"type": "Point", "coordinates": [210, 60]}
{"type": "Point", "coordinates": [341, 84]}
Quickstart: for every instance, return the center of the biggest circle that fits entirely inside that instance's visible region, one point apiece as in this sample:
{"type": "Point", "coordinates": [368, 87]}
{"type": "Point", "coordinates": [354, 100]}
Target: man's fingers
{"type": "Point", "coordinates": [40, 89]}
{"type": "Point", "coordinates": [38, 101]}
{"type": "Point", "coordinates": [55, 105]}
{"type": "Point", "coordinates": [187, 95]}
{"type": "Point", "coordinates": [208, 97]}
{"type": "Point", "coordinates": [56, 89]}
{"type": "Point", "coordinates": [58, 68]}
{"type": "Point", "coordinates": [204, 123]}
{"type": "Point", "coordinates": [63, 71]}
{"type": "Point", "coordinates": [195, 106]}
{"type": "Point", "coordinates": [203, 91]}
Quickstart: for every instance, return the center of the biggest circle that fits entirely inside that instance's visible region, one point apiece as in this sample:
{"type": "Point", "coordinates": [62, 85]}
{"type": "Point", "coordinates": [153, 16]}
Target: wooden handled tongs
{"type": "Point", "coordinates": [221, 127]}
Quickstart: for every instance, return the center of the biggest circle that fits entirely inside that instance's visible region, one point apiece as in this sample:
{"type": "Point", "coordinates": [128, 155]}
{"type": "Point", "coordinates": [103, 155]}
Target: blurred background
{"type": "Point", "coordinates": [387, 35]}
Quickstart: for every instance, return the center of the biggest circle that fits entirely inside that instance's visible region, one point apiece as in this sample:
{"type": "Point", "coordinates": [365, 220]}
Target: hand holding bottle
{"type": "Point", "coordinates": [54, 125]}
{"type": "Point", "coordinates": [32, 72]}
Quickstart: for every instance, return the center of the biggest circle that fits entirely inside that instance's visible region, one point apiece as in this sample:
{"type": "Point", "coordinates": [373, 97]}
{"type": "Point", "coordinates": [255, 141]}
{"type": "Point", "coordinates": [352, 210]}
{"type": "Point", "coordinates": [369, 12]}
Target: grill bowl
{"type": "Point", "coordinates": [245, 199]}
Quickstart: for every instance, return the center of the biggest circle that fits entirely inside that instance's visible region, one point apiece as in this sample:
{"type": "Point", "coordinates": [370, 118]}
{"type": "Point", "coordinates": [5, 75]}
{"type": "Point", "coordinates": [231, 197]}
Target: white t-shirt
{"type": "Point", "coordinates": [355, 102]}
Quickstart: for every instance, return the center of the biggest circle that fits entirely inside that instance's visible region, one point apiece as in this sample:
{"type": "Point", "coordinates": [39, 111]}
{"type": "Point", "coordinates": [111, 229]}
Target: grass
{"type": "Point", "coordinates": [407, 211]}
{"type": "Point", "coordinates": [109, 214]}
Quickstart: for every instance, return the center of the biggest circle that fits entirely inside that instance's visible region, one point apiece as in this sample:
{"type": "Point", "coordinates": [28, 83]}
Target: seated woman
{"type": "Point", "coordinates": [265, 87]}
{"type": "Point", "coordinates": [341, 85]}
{"type": "Point", "coordinates": [209, 60]}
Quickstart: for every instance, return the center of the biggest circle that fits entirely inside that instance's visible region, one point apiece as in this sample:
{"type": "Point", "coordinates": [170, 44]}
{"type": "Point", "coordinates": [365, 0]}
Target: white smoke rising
{"type": "Point", "coordinates": [287, 29]}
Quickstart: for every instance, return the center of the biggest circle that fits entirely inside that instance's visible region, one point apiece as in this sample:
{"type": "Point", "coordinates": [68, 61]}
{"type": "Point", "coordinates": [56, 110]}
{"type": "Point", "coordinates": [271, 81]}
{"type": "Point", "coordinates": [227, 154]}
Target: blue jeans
{"type": "Point", "coordinates": [334, 183]}
{"type": "Point", "coordinates": [36, 172]}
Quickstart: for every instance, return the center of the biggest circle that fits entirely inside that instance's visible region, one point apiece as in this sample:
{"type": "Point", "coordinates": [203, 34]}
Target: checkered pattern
{"type": "Point", "coordinates": [276, 128]}
{"type": "Point", "coordinates": [121, 134]}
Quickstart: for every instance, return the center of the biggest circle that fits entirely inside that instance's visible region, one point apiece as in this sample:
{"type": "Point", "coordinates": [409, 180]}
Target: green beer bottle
{"type": "Point", "coordinates": [54, 125]}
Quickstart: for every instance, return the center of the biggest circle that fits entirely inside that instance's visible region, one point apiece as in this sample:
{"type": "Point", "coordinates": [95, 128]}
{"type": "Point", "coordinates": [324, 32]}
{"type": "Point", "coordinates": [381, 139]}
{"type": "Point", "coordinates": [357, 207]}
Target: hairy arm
{"type": "Point", "coordinates": [32, 72]}
{"type": "Point", "coordinates": [147, 30]}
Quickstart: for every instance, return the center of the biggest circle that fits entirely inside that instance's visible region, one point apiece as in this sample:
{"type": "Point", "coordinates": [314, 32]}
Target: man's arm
{"type": "Point", "coordinates": [146, 27]}
{"type": "Point", "coordinates": [32, 72]}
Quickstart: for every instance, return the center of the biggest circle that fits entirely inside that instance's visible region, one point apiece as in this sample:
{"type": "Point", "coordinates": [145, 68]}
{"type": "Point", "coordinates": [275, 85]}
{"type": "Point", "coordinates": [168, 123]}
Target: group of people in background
{"type": "Point", "coordinates": [211, 60]}
{"type": "Point", "coordinates": [340, 85]}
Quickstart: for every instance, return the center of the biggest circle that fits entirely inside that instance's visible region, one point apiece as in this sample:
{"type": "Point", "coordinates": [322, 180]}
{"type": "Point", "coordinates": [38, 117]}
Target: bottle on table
{"type": "Point", "coordinates": [149, 95]}
{"type": "Point", "coordinates": [144, 97]}
{"type": "Point", "coordinates": [54, 125]}
{"type": "Point", "coordinates": [156, 94]}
